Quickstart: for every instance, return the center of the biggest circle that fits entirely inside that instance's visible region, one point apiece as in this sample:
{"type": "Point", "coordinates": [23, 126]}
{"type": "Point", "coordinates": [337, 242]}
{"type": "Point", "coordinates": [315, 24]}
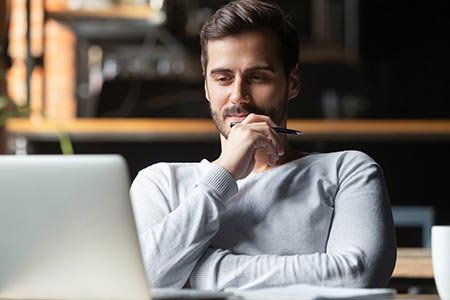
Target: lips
{"type": "Point", "coordinates": [236, 114]}
{"type": "Point", "coordinates": [237, 118]}
{"type": "Point", "coordinates": [240, 115]}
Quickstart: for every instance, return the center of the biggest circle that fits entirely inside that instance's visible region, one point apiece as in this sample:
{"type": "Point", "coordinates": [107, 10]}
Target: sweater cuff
{"type": "Point", "coordinates": [201, 277]}
{"type": "Point", "coordinates": [221, 181]}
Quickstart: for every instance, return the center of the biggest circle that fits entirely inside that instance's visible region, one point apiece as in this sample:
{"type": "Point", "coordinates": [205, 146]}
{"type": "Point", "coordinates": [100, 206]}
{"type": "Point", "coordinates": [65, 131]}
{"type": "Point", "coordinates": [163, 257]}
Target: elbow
{"type": "Point", "coordinates": [382, 267]}
{"type": "Point", "coordinates": [377, 277]}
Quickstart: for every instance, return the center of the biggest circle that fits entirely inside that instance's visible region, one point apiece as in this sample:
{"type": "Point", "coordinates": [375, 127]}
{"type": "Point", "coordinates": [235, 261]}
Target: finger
{"type": "Point", "coordinates": [260, 128]}
{"type": "Point", "coordinates": [262, 142]}
{"type": "Point", "coordinates": [270, 133]}
{"type": "Point", "coordinates": [254, 118]}
{"type": "Point", "coordinates": [273, 135]}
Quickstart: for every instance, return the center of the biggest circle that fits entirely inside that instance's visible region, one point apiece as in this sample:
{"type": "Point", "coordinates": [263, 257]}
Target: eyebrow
{"type": "Point", "coordinates": [251, 69]}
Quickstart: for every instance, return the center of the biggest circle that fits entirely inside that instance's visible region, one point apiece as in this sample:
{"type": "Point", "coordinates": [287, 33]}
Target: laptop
{"type": "Point", "coordinates": [67, 231]}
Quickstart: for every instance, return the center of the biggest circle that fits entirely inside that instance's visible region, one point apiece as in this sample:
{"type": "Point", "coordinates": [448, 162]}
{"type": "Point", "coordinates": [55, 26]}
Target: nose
{"type": "Point", "coordinates": [240, 92]}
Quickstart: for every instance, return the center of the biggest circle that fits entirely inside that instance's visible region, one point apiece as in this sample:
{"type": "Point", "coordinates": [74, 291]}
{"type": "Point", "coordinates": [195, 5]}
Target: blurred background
{"type": "Point", "coordinates": [128, 59]}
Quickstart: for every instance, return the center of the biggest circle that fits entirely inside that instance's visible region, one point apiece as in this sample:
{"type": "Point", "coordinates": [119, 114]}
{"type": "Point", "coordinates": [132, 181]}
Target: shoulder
{"type": "Point", "coordinates": [353, 159]}
{"type": "Point", "coordinates": [342, 163]}
{"type": "Point", "coordinates": [353, 166]}
{"type": "Point", "coordinates": [165, 172]}
{"type": "Point", "coordinates": [162, 181]}
{"type": "Point", "coordinates": [340, 159]}
{"type": "Point", "coordinates": [340, 156]}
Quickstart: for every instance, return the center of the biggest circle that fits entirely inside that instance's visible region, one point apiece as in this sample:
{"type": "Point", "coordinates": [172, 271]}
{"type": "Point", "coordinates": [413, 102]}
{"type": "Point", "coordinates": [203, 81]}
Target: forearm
{"type": "Point", "coordinates": [220, 269]}
{"type": "Point", "coordinates": [171, 248]}
{"type": "Point", "coordinates": [172, 243]}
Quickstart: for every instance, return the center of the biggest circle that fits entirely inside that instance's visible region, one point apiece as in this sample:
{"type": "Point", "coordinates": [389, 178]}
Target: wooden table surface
{"type": "Point", "coordinates": [413, 263]}
{"type": "Point", "coordinates": [417, 297]}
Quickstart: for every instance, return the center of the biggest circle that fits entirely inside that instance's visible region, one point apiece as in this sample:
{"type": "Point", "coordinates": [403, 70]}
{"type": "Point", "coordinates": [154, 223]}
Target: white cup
{"type": "Point", "coordinates": [440, 253]}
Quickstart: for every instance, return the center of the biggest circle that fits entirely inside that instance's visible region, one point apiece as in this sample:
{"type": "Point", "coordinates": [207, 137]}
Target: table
{"type": "Point", "coordinates": [413, 263]}
{"type": "Point", "coordinates": [417, 297]}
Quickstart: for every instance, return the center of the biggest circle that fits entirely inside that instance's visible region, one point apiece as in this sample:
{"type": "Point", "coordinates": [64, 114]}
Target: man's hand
{"type": "Point", "coordinates": [254, 133]}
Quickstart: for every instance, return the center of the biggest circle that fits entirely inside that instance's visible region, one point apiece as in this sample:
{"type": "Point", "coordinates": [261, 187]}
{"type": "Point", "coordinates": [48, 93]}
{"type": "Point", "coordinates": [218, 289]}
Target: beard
{"type": "Point", "coordinates": [276, 114]}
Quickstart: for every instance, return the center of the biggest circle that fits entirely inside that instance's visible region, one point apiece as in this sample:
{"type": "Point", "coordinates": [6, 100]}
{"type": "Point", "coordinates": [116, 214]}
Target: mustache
{"type": "Point", "coordinates": [243, 109]}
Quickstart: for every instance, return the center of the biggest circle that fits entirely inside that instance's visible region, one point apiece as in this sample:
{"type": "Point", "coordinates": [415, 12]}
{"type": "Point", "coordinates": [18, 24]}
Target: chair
{"type": "Point", "coordinates": [415, 216]}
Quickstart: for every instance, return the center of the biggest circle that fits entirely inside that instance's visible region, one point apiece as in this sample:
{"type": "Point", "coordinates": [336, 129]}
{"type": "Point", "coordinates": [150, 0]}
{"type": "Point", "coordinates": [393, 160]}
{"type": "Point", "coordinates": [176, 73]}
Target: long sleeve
{"type": "Point", "coordinates": [360, 250]}
{"type": "Point", "coordinates": [220, 269]}
{"type": "Point", "coordinates": [174, 234]}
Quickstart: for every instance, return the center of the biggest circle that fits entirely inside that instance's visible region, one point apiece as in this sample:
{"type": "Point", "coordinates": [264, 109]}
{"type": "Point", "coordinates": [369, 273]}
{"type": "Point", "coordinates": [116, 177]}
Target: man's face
{"type": "Point", "coordinates": [243, 76]}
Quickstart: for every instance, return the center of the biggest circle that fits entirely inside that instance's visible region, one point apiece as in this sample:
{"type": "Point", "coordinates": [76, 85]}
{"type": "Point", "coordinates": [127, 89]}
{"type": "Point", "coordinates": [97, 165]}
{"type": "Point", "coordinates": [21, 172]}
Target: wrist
{"type": "Point", "coordinates": [219, 179]}
{"type": "Point", "coordinates": [226, 167]}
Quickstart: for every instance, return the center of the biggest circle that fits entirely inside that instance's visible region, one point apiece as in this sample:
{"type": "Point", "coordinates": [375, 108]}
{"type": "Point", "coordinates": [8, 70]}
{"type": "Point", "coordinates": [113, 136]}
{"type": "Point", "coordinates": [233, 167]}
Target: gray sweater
{"type": "Point", "coordinates": [323, 219]}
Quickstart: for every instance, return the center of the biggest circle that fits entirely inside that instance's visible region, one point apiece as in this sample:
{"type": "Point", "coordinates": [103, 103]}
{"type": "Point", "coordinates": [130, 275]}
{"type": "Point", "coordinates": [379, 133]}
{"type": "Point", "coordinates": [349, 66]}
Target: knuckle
{"type": "Point", "coordinates": [251, 117]}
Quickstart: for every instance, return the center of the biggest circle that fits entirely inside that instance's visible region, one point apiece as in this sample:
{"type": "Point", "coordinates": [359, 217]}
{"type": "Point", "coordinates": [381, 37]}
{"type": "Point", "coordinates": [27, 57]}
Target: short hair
{"type": "Point", "coordinates": [248, 15]}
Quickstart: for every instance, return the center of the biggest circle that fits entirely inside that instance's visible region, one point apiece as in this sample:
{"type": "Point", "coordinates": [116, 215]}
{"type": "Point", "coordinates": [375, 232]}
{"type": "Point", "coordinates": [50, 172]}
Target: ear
{"type": "Point", "coordinates": [294, 83]}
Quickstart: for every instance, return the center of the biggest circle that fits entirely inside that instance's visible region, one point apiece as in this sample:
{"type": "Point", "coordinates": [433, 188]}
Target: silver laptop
{"type": "Point", "coordinates": [67, 231]}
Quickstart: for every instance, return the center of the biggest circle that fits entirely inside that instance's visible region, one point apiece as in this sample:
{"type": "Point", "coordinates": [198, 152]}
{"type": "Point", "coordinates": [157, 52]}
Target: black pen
{"type": "Point", "coordinates": [277, 129]}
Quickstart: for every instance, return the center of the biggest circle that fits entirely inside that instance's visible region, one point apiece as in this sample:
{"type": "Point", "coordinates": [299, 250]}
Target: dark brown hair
{"type": "Point", "coordinates": [247, 15]}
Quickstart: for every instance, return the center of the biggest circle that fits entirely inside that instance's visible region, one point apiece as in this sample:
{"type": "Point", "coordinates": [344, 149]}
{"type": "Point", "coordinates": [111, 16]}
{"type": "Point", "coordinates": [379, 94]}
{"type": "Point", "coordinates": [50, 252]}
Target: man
{"type": "Point", "coordinates": [262, 214]}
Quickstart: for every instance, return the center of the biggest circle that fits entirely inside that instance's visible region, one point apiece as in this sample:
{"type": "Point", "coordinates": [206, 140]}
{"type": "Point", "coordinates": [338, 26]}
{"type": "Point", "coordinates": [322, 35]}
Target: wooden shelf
{"type": "Point", "coordinates": [129, 12]}
{"type": "Point", "coordinates": [413, 263]}
{"type": "Point", "coordinates": [115, 129]}
{"type": "Point", "coordinates": [365, 128]}
{"type": "Point", "coordinates": [204, 129]}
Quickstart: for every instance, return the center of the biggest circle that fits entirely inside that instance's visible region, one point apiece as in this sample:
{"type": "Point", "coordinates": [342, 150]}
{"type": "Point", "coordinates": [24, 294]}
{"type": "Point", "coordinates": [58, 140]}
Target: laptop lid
{"type": "Point", "coordinates": [67, 230]}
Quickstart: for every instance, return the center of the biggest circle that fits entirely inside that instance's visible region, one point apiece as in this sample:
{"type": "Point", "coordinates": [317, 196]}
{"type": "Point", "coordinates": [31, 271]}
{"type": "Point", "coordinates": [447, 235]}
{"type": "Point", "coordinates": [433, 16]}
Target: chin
{"type": "Point", "coordinates": [223, 129]}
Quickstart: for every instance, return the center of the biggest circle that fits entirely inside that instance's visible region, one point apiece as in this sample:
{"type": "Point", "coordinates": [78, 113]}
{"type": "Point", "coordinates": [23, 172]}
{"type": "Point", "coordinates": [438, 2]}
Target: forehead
{"type": "Point", "coordinates": [243, 50]}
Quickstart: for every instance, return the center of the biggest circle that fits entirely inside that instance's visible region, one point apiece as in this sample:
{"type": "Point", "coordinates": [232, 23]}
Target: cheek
{"type": "Point", "coordinates": [267, 94]}
{"type": "Point", "coordinates": [217, 96]}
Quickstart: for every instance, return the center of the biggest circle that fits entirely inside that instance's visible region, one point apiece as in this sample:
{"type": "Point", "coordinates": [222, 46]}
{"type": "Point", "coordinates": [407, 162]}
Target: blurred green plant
{"type": "Point", "coordinates": [65, 143]}
{"type": "Point", "coordinates": [9, 109]}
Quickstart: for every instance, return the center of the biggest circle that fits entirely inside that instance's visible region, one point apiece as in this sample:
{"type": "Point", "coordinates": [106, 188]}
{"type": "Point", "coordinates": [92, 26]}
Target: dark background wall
{"type": "Point", "coordinates": [402, 72]}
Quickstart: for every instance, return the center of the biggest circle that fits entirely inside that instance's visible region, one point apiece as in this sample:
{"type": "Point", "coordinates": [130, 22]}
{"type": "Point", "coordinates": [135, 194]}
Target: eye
{"type": "Point", "coordinates": [222, 79]}
{"type": "Point", "coordinates": [258, 78]}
